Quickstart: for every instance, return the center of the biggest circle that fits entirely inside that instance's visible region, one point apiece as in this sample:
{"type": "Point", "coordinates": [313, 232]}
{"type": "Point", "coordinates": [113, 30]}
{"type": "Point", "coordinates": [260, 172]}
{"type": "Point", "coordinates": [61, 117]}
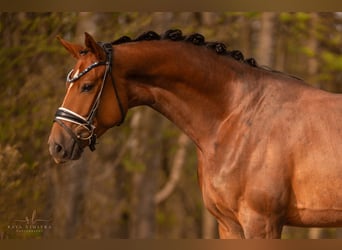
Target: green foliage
{"type": "Point", "coordinates": [333, 62]}
{"type": "Point", "coordinates": [11, 167]}
{"type": "Point", "coordinates": [28, 55]}
{"type": "Point", "coordinates": [17, 188]}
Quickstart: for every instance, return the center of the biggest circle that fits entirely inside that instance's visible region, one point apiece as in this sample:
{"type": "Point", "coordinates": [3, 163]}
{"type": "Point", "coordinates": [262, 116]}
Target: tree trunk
{"type": "Point", "coordinates": [209, 225]}
{"type": "Point", "coordinates": [313, 50]}
{"type": "Point", "coordinates": [266, 39]}
{"type": "Point", "coordinates": [209, 18]}
{"type": "Point", "coordinates": [146, 153]}
{"type": "Point", "coordinates": [69, 192]}
{"type": "Point", "coordinates": [87, 22]}
{"type": "Point", "coordinates": [160, 20]}
{"type": "Point", "coordinates": [245, 35]}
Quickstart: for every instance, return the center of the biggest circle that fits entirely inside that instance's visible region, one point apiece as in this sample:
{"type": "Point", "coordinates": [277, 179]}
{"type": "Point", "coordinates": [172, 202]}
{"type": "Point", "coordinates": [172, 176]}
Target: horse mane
{"type": "Point", "coordinates": [199, 40]}
{"type": "Point", "coordinates": [196, 39]}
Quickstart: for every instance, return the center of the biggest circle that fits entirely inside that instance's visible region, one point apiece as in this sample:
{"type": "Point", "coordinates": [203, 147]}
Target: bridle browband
{"type": "Point", "coordinates": [64, 114]}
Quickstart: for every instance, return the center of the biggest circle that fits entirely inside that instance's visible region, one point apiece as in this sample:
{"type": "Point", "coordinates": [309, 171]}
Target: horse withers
{"type": "Point", "coordinates": [268, 144]}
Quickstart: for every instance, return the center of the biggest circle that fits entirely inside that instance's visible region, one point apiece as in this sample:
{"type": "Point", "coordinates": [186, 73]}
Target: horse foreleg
{"type": "Point", "coordinates": [232, 230]}
{"type": "Point", "coordinates": [257, 225]}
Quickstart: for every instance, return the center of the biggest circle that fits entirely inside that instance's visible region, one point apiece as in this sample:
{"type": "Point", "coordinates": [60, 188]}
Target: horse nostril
{"type": "Point", "coordinates": [58, 148]}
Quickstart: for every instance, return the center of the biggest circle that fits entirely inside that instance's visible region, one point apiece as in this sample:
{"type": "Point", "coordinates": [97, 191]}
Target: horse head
{"type": "Point", "coordinates": [90, 89]}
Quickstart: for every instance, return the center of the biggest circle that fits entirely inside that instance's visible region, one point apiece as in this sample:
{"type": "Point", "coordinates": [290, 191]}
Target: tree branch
{"type": "Point", "coordinates": [165, 192]}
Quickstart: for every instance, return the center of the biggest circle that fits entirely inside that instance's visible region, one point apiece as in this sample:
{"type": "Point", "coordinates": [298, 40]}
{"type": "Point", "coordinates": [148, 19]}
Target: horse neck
{"type": "Point", "coordinates": [190, 85]}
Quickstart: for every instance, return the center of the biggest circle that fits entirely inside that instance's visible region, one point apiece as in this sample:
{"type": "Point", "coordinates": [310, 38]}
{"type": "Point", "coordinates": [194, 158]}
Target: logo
{"type": "Point", "coordinates": [32, 224]}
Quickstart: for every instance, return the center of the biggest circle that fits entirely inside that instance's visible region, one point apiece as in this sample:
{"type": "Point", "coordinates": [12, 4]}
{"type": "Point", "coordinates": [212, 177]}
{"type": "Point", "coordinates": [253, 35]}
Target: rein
{"type": "Point", "coordinates": [64, 114]}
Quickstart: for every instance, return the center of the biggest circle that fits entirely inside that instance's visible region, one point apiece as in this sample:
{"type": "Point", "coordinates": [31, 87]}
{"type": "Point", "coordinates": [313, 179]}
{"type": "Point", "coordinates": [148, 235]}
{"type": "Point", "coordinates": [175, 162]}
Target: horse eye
{"type": "Point", "coordinates": [87, 87]}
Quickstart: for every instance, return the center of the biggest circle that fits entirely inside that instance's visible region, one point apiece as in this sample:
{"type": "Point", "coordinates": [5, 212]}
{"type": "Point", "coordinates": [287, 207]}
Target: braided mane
{"type": "Point", "coordinates": [196, 39]}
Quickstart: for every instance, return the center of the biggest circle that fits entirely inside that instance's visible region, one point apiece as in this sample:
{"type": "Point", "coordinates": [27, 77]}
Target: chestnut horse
{"type": "Point", "coordinates": [269, 146]}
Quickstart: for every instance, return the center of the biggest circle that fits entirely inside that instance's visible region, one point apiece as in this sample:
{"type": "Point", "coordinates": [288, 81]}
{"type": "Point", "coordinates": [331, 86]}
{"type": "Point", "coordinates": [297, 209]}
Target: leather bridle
{"type": "Point", "coordinates": [64, 114]}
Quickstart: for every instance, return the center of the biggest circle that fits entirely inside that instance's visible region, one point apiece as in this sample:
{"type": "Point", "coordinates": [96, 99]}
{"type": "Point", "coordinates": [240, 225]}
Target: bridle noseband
{"type": "Point", "coordinates": [64, 114]}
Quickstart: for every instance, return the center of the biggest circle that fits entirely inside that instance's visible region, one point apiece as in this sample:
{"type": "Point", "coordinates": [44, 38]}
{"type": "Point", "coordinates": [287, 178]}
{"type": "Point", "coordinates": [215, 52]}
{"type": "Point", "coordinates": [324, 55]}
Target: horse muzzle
{"type": "Point", "coordinates": [67, 144]}
{"type": "Point", "coordinates": [71, 135]}
{"type": "Point", "coordinates": [64, 150]}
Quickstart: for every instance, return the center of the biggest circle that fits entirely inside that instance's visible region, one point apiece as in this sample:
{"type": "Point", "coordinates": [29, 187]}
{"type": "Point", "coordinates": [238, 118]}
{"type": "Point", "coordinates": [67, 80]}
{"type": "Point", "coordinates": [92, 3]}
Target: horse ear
{"type": "Point", "coordinates": [94, 47]}
{"type": "Point", "coordinates": [74, 49]}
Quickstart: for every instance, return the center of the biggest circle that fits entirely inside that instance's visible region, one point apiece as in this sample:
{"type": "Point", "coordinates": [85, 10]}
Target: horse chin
{"type": "Point", "coordinates": [59, 161]}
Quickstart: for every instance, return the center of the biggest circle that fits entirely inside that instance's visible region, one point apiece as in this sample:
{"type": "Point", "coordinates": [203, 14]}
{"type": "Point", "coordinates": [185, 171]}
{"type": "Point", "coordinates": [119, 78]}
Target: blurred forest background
{"type": "Point", "coordinates": [141, 182]}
